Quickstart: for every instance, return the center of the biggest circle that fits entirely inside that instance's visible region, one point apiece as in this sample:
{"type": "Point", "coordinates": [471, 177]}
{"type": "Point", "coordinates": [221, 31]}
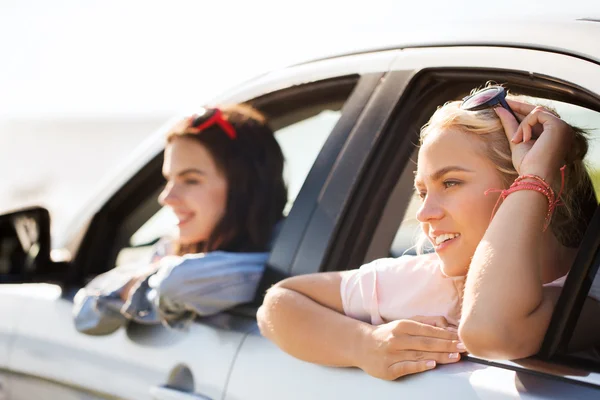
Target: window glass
{"type": "Point", "coordinates": [409, 231]}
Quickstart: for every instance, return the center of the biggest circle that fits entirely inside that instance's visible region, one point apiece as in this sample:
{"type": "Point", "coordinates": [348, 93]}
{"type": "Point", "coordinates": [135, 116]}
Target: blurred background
{"type": "Point", "coordinates": [83, 82]}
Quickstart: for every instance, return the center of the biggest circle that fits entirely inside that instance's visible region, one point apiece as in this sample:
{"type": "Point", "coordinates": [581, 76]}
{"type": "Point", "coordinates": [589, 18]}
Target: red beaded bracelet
{"type": "Point", "coordinates": [538, 185]}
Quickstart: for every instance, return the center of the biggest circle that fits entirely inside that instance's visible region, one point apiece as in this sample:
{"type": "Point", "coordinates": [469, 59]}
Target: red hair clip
{"type": "Point", "coordinates": [210, 117]}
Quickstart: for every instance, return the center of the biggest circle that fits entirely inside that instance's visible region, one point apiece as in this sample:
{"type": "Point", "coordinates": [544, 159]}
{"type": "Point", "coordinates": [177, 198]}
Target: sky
{"type": "Point", "coordinates": [82, 82]}
{"type": "Point", "coordinates": [95, 57]}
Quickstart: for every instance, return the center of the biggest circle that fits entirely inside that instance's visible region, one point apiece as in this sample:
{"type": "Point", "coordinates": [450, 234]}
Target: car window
{"type": "Point", "coordinates": [590, 315]}
{"type": "Point", "coordinates": [300, 141]}
{"type": "Point", "coordinates": [408, 232]}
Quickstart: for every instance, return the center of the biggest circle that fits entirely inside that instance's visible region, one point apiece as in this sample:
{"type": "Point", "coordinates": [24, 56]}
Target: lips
{"type": "Point", "coordinates": [184, 218]}
{"type": "Point", "coordinates": [442, 240]}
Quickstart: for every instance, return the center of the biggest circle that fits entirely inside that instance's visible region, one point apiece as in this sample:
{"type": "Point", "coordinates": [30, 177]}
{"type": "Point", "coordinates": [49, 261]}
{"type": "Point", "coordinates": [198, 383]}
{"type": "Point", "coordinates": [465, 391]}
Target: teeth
{"type": "Point", "coordinates": [446, 236]}
{"type": "Point", "coordinates": [183, 219]}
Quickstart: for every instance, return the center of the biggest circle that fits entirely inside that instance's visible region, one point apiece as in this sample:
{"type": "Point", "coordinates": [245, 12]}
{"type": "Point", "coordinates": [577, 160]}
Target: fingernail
{"type": "Point", "coordinates": [430, 364]}
{"type": "Point", "coordinates": [460, 346]}
{"type": "Point", "coordinates": [453, 355]}
{"type": "Point", "coordinates": [451, 329]}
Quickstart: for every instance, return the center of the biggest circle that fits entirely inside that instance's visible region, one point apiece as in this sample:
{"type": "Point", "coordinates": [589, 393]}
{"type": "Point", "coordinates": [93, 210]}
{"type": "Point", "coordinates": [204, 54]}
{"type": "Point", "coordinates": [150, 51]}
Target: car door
{"type": "Point", "coordinates": [11, 311]}
{"type": "Point", "coordinates": [366, 200]}
{"type": "Point", "coordinates": [312, 115]}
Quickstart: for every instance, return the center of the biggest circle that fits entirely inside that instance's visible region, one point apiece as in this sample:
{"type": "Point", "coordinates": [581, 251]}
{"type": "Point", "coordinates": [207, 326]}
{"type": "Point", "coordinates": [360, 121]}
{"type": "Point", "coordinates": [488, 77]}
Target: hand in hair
{"type": "Point", "coordinates": [540, 143]}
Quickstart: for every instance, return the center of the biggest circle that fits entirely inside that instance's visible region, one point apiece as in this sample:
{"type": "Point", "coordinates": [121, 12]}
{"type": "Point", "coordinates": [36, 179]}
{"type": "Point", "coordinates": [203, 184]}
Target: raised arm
{"type": "Point", "coordinates": [304, 316]}
{"type": "Point", "coordinates": [506, 308]}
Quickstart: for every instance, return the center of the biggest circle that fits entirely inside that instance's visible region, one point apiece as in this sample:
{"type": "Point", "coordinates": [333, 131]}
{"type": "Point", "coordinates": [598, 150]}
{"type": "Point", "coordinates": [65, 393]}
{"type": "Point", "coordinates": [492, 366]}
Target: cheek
{"type": "Point", "coordinates": [207, 199]}
{"type": "Point", "coordinates": [479, 213]}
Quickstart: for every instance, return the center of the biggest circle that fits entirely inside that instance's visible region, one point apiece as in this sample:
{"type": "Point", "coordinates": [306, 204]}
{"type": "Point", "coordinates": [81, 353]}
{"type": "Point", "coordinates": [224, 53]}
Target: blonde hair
{"type": "Point", "coordinates": [570, 220]}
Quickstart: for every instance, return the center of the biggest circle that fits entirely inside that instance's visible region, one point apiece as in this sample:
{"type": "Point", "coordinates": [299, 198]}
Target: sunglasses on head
{"type": "Point", "coordinates": [487, 98]}
{"type": "Point", "coordinates": [209, 117]}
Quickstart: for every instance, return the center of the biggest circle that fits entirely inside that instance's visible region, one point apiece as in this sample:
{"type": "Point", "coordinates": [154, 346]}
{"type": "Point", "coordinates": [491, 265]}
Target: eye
{"type": "Point", "coordinates": [450, 183]}
{"type": "Point", "coordinates": [421, 194]}
{"type": "Point", "coordinates": [191, 181]}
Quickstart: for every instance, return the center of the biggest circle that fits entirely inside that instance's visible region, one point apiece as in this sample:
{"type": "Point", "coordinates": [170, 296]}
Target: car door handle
{"type": "Point", "coordinates": [167, 393]}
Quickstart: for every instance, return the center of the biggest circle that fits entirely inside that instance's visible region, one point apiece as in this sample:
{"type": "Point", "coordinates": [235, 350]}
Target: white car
{"type": "Point", "coordinates": [347, 125]}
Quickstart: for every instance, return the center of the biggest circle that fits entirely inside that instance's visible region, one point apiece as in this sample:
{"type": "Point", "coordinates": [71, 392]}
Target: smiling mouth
{"type": "Point", "coordinates": [444, 240]}
{"type": "Point", "coordinates": [184, 220]}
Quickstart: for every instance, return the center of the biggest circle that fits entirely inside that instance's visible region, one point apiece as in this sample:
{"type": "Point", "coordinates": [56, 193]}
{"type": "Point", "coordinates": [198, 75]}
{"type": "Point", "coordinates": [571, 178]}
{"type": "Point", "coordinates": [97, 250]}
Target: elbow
{"type": "Point", "coordinates": [495, 339]}
{"type": "Point", "coordinates": [266, 314]}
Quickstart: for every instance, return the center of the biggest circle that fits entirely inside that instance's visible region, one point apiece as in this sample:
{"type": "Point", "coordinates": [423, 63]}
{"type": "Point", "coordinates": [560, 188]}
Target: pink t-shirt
{"type": "Point", "coordinates": [390, 289]}
{"type": "Point", "coordinates": [398, 288]}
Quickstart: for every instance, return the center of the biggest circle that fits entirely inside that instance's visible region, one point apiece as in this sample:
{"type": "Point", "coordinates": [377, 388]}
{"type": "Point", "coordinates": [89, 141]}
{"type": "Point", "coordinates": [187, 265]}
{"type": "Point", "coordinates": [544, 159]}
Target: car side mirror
{"type": "Point", "coordinates": [25, 247]}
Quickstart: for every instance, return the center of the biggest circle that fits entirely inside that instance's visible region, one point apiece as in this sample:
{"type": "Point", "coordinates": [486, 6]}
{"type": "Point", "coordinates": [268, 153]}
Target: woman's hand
{"type": "Point", "coordinates": [539, 144]}
{"type": "Point", "coordinates": [128, 288]}
{"type": "Point", "coordinates": [409, 346]}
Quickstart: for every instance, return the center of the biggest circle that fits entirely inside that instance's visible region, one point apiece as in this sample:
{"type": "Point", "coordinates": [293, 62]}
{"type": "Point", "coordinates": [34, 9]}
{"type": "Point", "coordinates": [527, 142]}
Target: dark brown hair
{"type": "Point", "coordinates": [252, 164]}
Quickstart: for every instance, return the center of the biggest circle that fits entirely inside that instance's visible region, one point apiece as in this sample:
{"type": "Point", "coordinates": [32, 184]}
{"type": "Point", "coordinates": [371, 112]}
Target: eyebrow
{"type": "Point", "coordinates": [437, 175]}
{"type": "Point", "coordinates": [189, 171]}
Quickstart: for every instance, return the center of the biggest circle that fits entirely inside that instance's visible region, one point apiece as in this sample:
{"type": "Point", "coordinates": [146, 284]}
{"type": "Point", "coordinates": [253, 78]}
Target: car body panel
{"type": "Point", "coordinates": [132, 360]}
{"type": "Point", "coordinates": [264, 371]}
{"type": "Point", "coordinates": [574, 37]}
{"type": "Point", "coordinates": [568, 68]}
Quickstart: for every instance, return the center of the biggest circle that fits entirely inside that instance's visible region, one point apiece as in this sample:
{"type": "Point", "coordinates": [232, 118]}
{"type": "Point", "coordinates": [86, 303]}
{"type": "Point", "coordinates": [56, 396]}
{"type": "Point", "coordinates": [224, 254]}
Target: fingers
{"type": "Point", "coordinates": [425, 343]}
{"type": "Point", "coordinates": [519, 107]}
{"type": "Point", "coordinates": [440, 321]}
{"type": "Point", "coordinates": [415, 328]}
{"type": "Point", "coordinates": [416, 355]}
{"type": "Point", "coordinates": [412, 362]}
{"type": "Point", "coordinates": [538, 116]}
{"type": "Point", "coordinates": [509, 123]}
{"type": "Point", "coordinates": [409, 367]}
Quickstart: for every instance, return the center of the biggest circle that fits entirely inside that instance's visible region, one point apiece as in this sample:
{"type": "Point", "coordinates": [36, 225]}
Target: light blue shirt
{"type": "Point", "coordinates": [180, 289]}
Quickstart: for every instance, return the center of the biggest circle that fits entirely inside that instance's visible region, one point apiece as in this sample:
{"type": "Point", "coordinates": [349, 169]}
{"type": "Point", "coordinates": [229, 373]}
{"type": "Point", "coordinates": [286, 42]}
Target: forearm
{"type": "Point", "coordinates": [309, 331]}
{"type": "Point", "coordinates": [503, 294]}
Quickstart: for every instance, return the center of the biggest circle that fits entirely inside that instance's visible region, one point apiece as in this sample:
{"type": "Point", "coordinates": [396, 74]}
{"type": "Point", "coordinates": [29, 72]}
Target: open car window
{"type": "Point", "coordinates": [579, 304]}
{"type": "Point", "coordinates": [300, 143]}
{"type": "Point", "coordinates": [301, 133]}
{"type": "Point", "coordinates": [384, 205]}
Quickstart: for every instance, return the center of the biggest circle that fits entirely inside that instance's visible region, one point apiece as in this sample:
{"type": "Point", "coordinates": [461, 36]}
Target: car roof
{"type": "Point", "coordinates": [568, 36]}
{"type": "Point", "coordinates": [573, 37]}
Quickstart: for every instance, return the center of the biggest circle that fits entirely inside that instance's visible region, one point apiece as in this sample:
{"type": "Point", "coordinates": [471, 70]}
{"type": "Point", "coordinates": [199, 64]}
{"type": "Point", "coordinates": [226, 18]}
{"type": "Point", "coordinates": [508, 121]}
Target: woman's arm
{"type": "Point", "coordinates": [293, 309]}
{"type": "Point", "coordinates": [303, 316]}
{"type": "Point", "coordinates": [506, 309]}
{"type": "Point", "coordinates": [204, 284]}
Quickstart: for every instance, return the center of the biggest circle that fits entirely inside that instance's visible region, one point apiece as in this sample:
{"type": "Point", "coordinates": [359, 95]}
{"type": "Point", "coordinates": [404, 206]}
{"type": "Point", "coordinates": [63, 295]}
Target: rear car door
{"type": "Point", "coordinates": [366, 199]}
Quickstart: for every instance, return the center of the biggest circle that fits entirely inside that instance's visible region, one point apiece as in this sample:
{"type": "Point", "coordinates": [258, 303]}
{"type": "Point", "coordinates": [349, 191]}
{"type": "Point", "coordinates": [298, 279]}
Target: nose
{"type": "Point", "coordinates": [431, 209]}
{"type": "Point", "coordinates": [168, 197]}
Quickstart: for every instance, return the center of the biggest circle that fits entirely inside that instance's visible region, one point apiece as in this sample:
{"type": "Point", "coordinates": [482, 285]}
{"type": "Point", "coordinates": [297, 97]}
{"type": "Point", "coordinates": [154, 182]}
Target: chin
{"type": "Point", "coordinates": [453, 269]}
{"type": "Point", "coordinates": [189, 239]}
